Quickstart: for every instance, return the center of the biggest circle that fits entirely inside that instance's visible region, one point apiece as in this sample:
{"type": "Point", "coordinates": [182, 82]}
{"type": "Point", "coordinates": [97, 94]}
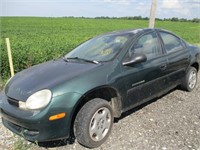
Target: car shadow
{"type": "Point", "coordinates": [65, 142]}
{"type": "Point", "coordinates": [57, 143]}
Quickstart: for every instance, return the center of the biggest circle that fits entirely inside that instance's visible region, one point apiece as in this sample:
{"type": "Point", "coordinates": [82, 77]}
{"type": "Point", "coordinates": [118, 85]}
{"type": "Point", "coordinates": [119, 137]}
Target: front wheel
{"type": "Point", "coordinates": [93, 123]}
{"type": "Point", "coordinates": [190, 80]}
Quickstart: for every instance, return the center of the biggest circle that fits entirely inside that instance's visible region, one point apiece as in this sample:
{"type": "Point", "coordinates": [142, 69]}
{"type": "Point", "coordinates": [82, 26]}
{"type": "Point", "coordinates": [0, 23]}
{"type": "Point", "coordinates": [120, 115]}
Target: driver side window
{"type": "Point", "coordinates": [148, 45]}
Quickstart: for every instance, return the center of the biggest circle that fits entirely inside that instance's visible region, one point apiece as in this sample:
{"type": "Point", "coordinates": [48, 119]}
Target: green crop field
{"type": "Point", "coordinates": [35, 40]}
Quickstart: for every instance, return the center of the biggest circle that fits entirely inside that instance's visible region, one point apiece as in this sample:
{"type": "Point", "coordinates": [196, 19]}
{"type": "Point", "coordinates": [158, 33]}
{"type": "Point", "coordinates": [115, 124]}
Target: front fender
{"type": "Point", "coordinates": [65, 103]}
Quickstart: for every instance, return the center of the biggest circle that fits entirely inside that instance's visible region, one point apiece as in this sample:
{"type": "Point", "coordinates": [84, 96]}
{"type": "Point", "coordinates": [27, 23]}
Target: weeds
{"type": "Point", "coordinates": [20, 144]}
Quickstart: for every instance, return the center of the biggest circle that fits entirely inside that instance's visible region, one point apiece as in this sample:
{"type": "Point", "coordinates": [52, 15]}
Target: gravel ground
{"type": "Point", "coordinates": [171, 122]}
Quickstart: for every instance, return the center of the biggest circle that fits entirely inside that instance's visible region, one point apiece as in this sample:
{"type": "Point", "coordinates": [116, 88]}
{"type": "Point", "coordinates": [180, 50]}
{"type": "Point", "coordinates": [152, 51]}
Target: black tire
{"type": "Point", "coordinates": [190, 80]}
{"type": "Point", "coordinates": [95, 115]}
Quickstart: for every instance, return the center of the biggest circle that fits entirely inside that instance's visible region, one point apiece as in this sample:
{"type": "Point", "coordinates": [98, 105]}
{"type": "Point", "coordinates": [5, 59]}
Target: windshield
{"type": "Point", "coordinates": [102, 48]}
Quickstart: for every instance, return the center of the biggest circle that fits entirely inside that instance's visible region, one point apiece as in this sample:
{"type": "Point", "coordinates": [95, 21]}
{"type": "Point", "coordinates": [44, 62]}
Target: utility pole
{"type": "Point", "coordinates": [152, 14]}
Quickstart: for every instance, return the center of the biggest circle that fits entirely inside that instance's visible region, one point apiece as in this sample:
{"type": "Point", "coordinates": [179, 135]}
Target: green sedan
{"type": "Point", "coordinates": [81, 93]}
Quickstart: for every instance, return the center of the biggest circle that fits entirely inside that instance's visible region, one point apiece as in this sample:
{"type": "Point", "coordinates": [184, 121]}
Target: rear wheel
{"type": "Point", "coordinates": [190, 80]}
{"type": "Point", "coordinates": [93, 123]}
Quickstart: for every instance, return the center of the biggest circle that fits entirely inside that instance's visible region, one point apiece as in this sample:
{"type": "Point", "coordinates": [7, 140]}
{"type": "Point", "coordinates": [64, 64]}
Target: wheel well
{"type": "Point", "coordinates": [106, 93]}
{"type": "Point", "coordinates": [196, 66]}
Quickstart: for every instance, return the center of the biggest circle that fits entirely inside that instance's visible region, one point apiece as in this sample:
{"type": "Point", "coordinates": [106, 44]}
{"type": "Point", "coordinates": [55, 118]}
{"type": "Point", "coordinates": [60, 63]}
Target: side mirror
{"type": "Point", "coordinates": [136, 59]}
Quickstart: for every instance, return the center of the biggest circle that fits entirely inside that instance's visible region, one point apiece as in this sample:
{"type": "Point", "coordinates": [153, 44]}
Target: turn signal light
{"type": "Point", "coordinates": [57, 116]}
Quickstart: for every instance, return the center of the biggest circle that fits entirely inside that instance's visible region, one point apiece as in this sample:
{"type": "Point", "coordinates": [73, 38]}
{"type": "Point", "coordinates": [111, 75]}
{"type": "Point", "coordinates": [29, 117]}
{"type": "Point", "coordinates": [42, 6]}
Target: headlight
{"type": "Point", "coordinates": [37, 100]}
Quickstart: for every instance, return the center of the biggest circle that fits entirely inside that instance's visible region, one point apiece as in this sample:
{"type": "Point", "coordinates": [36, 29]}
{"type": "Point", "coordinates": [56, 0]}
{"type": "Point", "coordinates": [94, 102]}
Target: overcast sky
{"type": "Point", "coordinates": [93, 8]}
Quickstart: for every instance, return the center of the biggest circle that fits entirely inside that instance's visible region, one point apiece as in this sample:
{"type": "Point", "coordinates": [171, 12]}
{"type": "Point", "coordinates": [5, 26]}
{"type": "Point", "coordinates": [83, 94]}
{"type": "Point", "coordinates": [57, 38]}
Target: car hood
{"type": "Point", "coordinates": [45, 76]}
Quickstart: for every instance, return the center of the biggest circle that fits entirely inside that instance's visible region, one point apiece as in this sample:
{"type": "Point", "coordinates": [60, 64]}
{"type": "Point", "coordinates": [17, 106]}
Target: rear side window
{"type": "Point", "coordinates": [171, 42]}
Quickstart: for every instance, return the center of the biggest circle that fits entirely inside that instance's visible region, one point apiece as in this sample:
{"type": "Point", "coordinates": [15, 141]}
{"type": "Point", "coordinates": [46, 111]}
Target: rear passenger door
{"type": "Point", "coordinates": [177, 57]}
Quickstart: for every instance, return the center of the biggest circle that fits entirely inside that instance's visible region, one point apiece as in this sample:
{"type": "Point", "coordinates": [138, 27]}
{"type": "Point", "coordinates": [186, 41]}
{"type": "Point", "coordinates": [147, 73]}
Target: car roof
{"type": "Point", "coordinates": [131, 31]}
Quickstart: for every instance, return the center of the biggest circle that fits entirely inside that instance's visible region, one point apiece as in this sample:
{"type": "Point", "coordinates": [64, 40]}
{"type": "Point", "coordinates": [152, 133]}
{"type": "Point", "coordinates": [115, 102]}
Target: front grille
{"type": "Point", "coordinates": [13, 102]}
{"type": "Point", "coordinates": [20, 130]}
{"type": "Point", "coordinates": [16, 127]}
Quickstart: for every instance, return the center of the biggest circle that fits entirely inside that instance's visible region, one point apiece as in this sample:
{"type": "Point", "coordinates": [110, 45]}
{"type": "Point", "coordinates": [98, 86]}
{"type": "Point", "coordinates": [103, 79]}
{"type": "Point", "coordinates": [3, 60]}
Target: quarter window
{"type": "Point", "coordinates": [171, 42]}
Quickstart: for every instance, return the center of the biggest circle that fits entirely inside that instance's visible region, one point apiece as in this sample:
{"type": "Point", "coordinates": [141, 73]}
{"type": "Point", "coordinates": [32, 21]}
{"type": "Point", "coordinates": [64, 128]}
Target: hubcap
{"type": "Point", "coordinates": [192, 79]}
{"type": "Point", "coordinates": [100, 124]}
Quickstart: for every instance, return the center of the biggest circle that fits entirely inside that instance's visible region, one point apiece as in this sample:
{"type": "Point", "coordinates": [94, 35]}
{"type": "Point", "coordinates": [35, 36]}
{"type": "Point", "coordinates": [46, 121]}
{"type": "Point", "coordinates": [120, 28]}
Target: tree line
{"type": "Point", "coordinates": [175, 19]}
{"type": "Point", "coordinates": [196, 20]}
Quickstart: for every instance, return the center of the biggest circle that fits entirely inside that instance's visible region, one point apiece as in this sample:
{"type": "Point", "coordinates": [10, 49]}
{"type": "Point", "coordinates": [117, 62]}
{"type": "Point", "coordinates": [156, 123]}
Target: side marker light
{"type": "Point", "coordinates": [57, 116]}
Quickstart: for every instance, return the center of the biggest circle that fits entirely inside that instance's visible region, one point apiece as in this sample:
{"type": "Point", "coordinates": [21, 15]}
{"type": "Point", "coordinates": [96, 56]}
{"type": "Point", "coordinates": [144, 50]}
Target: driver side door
{"type": "Point", "coordinates": [144, 80]}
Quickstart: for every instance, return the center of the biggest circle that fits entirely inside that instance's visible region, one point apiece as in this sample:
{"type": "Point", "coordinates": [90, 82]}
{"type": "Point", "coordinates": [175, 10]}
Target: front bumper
{"type": "Point", "coordinates": [35, 125]}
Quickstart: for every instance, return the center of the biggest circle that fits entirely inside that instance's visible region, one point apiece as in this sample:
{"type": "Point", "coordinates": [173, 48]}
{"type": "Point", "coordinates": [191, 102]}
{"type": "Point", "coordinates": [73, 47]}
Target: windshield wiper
{"type": "Point", "coordinates": [78, 58]}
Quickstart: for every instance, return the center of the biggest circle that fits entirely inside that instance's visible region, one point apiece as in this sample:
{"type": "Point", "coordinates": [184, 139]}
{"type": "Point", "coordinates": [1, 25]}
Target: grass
{"type": "Point", "coordinates": [35, 40]}
{"type": "Point", "coordinates": [20, 144]}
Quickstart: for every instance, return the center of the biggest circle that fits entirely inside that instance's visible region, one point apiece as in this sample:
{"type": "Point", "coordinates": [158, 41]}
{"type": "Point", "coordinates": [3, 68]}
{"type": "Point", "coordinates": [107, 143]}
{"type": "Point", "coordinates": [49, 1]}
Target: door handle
{"type": "Point", "coordinates": [163, 67]}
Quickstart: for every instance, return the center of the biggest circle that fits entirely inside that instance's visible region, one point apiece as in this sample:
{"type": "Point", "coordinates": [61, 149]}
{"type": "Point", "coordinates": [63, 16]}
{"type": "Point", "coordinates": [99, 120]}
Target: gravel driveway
{"type": "Point", "coordinates": [171, 122]}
